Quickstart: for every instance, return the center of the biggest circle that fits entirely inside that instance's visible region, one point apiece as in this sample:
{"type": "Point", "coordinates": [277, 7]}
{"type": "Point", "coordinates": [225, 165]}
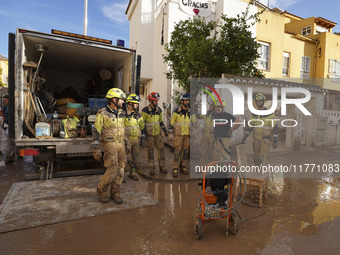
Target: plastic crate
{"type": "Point", "coordinates": [97, 103]}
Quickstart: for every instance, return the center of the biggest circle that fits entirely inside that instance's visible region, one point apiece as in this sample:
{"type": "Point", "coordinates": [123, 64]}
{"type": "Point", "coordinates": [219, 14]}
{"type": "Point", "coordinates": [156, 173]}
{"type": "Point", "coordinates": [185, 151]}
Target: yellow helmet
{"type": "Point", "coordinates": [116, 92]}
{"type": "Point", "coordinates": [260, 97]}
{"type": "Point", "coordinates": [218, 103]}
{"type": "Point", "coordinates": [133, 98]}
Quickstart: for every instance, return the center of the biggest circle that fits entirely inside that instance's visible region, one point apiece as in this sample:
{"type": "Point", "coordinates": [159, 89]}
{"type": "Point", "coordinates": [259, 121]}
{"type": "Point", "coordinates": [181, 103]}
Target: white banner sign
{"type": "Point", "coordinates": [196, 7]}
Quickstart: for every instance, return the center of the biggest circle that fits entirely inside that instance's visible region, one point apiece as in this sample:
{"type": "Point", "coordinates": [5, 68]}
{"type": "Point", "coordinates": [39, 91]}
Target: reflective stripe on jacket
{"type": "Point", "coordinates": [134, 124]}
{"type": "Point", "coordinates": [109, 125]}
{"type": "Point", "coordinates": [180, 120]}
{"type": "Point", "coordinates": [152, 119]}
{"type": "Point", "coordinates": [263, 125]}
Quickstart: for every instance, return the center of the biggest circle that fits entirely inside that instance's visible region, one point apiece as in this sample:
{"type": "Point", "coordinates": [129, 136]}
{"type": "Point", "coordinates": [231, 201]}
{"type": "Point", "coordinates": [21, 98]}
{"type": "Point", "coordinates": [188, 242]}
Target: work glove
{"type": "Point", "coordinates": [274, 143]}
{"type": "Point", "coordinates": [97, 154]}
{"type": "Point", "coordinates": [171, 137]}
{"type": "Point", "coordinates": [142, 141]}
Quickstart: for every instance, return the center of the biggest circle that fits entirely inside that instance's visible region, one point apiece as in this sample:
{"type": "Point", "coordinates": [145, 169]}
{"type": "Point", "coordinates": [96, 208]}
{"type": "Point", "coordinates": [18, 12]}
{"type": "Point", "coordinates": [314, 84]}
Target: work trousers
{"type": "Point", "coordinates": [181, 151]}
{"type": "Point", "coordinates": [152, 142]}
{"type": "Point", "coordinates": [133, 148]}
{"type": "Point", "coordinates": [261, 148]}
{"type": "Point", "coordinates": [221, 149]}
{"type": "Point", "coordinates": [114, 161]}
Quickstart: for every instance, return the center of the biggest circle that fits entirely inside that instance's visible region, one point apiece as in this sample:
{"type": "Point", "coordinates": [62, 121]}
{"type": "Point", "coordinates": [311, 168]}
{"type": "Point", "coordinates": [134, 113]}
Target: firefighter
{"type": "Point", "coordinates": [222, 132]}
{"type": "Point", "coordinates": [180, 123]}
{"type": "Point", "coordinates": [207, 136]}
{"type": "Point", "coordinates": [10, 147]}
{"type": "Point", "coordinates": [152, 116]}
{"type": "Point", "coordinates": [264, 131]}
{"type": "Point", "coordinates": [109, 128]}
{"type": "Point", "coordinates": [134, 132]}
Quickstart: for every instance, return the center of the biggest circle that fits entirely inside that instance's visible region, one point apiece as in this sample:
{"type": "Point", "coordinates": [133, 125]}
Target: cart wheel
{"type": "Point", "coordinates": [198, 228]}
{"type": "Point", "coordinates": [234, 223]}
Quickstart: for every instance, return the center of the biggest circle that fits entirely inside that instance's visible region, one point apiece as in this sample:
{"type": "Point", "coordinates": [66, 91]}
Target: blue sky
{"type": "Point", "coordinates": [107, 19]}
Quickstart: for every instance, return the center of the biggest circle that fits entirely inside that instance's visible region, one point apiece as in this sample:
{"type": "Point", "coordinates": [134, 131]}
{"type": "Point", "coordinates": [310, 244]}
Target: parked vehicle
{"type": "Point", "coordinates": [53, 77]}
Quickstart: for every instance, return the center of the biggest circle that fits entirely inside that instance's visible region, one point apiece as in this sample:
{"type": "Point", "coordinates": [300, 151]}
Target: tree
{"type": "Point", "coordinates": [201, 49]}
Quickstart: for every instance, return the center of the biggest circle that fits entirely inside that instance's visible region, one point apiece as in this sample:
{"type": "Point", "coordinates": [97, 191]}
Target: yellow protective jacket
{"type": "Point", "coordinates": [208, 125]}
{"type": "Point", "coordinates": [153, 121]}
{"type": "Point", "coordinates": [180, 121]}
{"type": "Point", "coordinates": [266, 127]}
{"type": "Point", "coordinates": [134, 125]}
{"type": "Point", "coordinates": [109, 125]}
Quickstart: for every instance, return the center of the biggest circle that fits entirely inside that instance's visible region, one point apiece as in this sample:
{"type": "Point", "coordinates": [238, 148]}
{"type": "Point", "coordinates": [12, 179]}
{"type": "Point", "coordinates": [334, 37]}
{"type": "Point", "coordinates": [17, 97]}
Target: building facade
{"type": "Point", "coordinates": [299, 50]}
{"type": "Point", "coordinates": [4, 68]}
{"type": "Point", "coordinates": [291, 47]}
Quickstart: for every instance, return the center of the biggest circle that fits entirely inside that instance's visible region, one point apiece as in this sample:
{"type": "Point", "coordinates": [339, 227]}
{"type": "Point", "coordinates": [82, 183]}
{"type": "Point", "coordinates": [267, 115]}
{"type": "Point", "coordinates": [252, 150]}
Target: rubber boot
{"type": "Point", "coordinates": [162, 169]}
{"type": "Point", "coordinates": [184, 170]}
{"type": "Point", "coordinates": [133, 174]}
{"type": "Point", "coordinates": [152, 171]}
{"type": "Point", "coordinates": [175, 173]}
{"type": "Point", "coordinates": [102, 196]}
{"type": "Point", "coordinates": [115, 193]}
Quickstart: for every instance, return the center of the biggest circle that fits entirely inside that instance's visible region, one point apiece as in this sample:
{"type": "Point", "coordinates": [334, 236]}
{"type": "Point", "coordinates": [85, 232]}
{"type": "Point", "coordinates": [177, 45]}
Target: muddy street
{"type": "Point", "coordinates": [302, 216]}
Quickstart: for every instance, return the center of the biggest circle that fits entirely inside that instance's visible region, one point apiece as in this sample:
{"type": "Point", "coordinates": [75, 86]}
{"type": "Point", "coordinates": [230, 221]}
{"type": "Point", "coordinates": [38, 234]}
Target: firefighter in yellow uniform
{"type": "Point", "coordinates": [153, 119]}
{"type": "Point", "coordinates": [109, 128]}
{"type": "Point", "coordinates": [265, 131]}
{"type": "Point", "coordinates": [207, 136]}
{"type": "Point", "coordinates": [134, 132]}
{"type": "Point", "coordinates": [180, 122]}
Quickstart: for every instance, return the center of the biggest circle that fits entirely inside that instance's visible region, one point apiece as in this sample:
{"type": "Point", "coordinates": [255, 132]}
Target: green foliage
{"type": "Point", "coordinates": [201, 49]}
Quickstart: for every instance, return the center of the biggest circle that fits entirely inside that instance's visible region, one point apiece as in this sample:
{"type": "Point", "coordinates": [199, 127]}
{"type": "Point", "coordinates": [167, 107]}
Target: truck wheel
{"type": "Point", "coordinates": [198, 228]}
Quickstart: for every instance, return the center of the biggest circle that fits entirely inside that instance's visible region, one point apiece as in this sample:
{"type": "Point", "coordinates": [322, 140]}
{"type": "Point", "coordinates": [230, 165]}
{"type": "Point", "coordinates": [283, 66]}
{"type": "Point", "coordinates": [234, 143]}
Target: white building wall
{"type": "Point", "coordinates": [145, 36]}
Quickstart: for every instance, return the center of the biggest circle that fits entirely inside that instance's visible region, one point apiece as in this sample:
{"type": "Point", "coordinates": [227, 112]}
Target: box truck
{"type": "Point", "coordinates": [57, 77]}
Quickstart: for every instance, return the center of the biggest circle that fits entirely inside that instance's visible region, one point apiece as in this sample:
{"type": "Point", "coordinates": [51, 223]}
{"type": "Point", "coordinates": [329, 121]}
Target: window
{"type": "Point", "coordinates": [263, 60]}
{"type": "Point", "coordinates": [306, 30]}
{"type": "Point", "coordinates": [285, 64]}
{"type": "Point", "coordinates": [334, 69]}
{"type": "Point", "coordinates": [305, 68]}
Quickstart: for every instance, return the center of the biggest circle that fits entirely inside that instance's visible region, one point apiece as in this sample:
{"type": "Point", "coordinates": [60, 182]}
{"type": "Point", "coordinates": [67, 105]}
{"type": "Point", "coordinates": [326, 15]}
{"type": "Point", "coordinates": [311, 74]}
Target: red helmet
{"type": "Point", "coordinates": [153, 96]}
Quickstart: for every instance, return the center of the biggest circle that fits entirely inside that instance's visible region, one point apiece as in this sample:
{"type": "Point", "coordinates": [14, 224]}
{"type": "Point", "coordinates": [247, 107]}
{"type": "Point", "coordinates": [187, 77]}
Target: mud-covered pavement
{"type": "Point", "coordinates": [302, 217]}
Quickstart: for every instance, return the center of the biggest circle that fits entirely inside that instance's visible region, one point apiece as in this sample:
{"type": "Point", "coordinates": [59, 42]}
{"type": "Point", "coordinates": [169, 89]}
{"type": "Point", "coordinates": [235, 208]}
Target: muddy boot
{"type": "Point", "coordinates": [184, 170]}
{"type": "Point", "coordinates": [102, 196]}
{"type": "Point", "coordinates": [175, 173]}
{"type": "Point", "coordinates": [152, 171]}
{"type": "Point", "coordinates": [115, 193]}
{"type": "Point", "coordinates": [133, 174]}
{"type": "Point", "coordinates": [9, 159]}
{"type": "Point", "coordinates": [162, 169]}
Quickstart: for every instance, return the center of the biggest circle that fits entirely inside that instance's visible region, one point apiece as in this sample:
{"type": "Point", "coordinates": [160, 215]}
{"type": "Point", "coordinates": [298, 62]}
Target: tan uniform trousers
{"type": "Point", "coordinates": [133, 149]}
{"type": "Point", "coordinates": [205, 150]}
{"type": "Point", "coordinates": [158, 142]}
{"type": "Point", "coordinates": [181, 151]}
{"type": "Point", "coordinates": [221, 149]}
{"type": "Point", "coordinates": [114, 161]}
{"type": "Point", "coordinates": [261, 148]}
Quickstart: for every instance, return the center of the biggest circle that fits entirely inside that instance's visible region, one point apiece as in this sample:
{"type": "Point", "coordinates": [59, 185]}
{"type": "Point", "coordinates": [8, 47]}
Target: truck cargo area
{"type": "Point", "coordinates": [64, 77]}
{"type": "Point", "coordinates": [69, 68]}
